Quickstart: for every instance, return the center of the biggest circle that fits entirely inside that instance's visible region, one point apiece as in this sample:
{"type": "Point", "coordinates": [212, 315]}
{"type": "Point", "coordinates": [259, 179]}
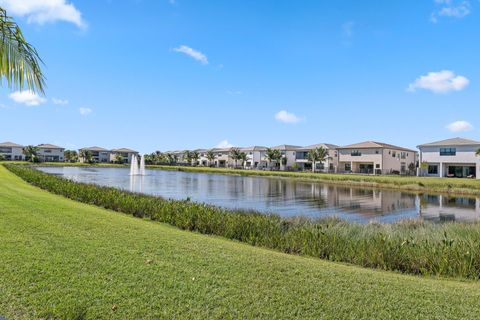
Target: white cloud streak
{"type": "Point", "coordinates": [61, 102]}
{"type": "Point", "coordinates": [197, 55]}
{"type": "Point", "coordinates": [451, 8]}
{"type": "Point", "coordinates": [44, 11]}
{"type": "Point", "coordinates": [440, 82]}
{"type": "Point", "coordinates": [460, 126]}
{"type": "Point", "coordinates": [85, 111]}
{"type": "Point", "coordinates": [224, 144]}
{"type": "Point", "coordinates": [287, 117]}
{"type": "Point", "coordinates": [27, 98]}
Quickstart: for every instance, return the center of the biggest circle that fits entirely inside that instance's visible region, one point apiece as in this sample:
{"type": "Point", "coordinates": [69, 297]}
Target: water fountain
{"type": "Point", "coordinates": [135, 169]}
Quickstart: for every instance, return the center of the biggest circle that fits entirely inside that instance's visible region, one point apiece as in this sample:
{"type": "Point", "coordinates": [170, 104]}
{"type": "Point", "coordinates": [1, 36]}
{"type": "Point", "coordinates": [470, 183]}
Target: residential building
{"type": "Point", "coordinates": [50, 153]}
{"type": "Point", "coordinates": [371, 157]}
{"type": "Point", "coordinates": [455, 157]}
{"type": "Point", "coordinates": [289, 156]}
{"type": "Point", "coordinates": [256, 158]}
{"type": "Point", "coordinates": [11, 151]}
{"type": "Point", "coordinates": [99, 155]}
{"type": "Point", "coordinates": [124, 153]}
{"type": "Point", "coordinates": [223, 158]}
{"type": "Point", "coordinates": [330, 165]}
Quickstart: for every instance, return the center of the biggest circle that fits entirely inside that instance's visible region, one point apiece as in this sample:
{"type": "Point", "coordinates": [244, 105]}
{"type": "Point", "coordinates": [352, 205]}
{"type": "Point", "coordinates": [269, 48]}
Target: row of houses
{"type": "Point", "coordinates": [51, 153]}
{"type": "Point", "coordinates": [457, 157]}
{"type": "Point", "coordinates": [368, 157]}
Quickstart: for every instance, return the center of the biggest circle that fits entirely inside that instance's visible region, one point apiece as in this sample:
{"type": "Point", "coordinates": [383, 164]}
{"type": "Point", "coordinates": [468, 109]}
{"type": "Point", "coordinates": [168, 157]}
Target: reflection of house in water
{"type": "Point", "coordinates": [445, 208]}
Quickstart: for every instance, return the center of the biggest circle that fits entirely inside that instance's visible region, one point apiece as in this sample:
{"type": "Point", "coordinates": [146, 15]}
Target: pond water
{"type": "Point", "coordinates": [281, 196]}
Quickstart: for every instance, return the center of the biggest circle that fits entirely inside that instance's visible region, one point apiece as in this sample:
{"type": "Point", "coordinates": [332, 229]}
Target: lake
{"type": "Point", "coordinates": [281, 196]}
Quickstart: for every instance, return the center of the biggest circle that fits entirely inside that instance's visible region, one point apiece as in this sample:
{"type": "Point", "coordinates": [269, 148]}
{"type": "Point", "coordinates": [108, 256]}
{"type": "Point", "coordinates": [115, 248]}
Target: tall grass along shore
{"type": "Point", "coordinates": [413, 247]}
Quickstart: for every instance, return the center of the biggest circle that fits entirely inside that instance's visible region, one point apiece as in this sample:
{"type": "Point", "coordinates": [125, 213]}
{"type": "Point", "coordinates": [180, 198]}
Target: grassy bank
{"type": "Point", "coordinates": [411, 247]}
{"type": "Point", "coordinates": [62, 259]}
{"type": "Point", "coordinates": [414, 184]}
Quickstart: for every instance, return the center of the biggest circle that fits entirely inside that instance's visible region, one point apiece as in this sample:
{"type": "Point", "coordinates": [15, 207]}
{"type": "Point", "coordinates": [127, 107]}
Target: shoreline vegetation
{"type": "Point", "coordinates": [446, 186]}
{"type": "Point", "coordinates": [63, 259]}
{"type": "Point", "coordinates": [410, 246]}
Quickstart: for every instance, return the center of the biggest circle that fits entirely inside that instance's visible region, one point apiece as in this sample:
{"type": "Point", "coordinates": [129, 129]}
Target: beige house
{"type": "Point", "coordinates": [11, 151]}
{"type": "Point", "coordinates": [330, 165]}
{"type": "Point", "coordinates": [371, 157]}
{"type": "Point", "coordinates": [50, 153]}
{"type": "Point", "coordinates": [125, 154]}
{"type": "Point", "coordinates": [289, 157]}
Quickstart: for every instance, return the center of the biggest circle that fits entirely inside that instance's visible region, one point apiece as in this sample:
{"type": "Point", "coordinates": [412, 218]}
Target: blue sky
{"type": "Point", "coordinates": [183, 74]}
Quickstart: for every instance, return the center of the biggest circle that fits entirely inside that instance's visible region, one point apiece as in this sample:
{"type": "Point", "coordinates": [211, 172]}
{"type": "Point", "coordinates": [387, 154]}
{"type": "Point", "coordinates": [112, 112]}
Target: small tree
{"type": "Point", "coordinates": [86, 156]}
{"type": "Point", "coordinates": [118, 158]}
{"type": "Point", "coordinates": [195, 156]}
{"type": "Point", "coordinates": [411, 167]}
{"type": "Point", "coordinates": [2, 158]}
{"type": "Point", "coordinates": [423, 167]}
{"type": "Point", "coordinates": [236, 155]}
{"type": "Point", "coordinates": [31, 153]}
{"type": "Point", "coordinates": [273, 155]}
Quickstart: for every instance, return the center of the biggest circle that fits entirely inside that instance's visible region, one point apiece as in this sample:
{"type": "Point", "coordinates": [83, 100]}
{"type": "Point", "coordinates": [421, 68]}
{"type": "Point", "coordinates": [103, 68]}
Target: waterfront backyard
{"type": "Point", "coordinates": [65, 259]}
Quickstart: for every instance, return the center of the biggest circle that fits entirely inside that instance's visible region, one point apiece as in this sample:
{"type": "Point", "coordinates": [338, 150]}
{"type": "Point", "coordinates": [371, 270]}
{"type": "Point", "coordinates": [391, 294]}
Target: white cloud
{"type": "Point", "coordinates": [451, 8]}
{"type": "Point", "coordinates": [197, 55]}
{"type": "Point", "coordinates": [440, 82]}
{"type": "Point", "coordinates": [459, 126]}
{"type": "Point", "coordinates": [224, 144]}
{"type": "Point", "coordinates": [28, 98]}
{"type": "Point", "coordinates": [287, 117]}
{"type": "Point", "coordinates": [44, 11]}
{"type": "Point", "coordinates": [61, 102]}
{"type": "Point", "coordinates": [85, 111]}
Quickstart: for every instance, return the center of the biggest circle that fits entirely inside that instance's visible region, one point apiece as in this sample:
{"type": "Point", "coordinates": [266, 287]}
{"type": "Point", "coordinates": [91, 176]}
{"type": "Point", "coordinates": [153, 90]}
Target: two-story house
{"type": "Point", "coordinates": [124, 154]}
{"type": "Point", "coordinates": [455, 157]}
{"type": "Point", "coordinates": [50, 153]}
{"type": "Point", "coordinates": [11, 151]}
{"type": "Point", "coordinates": [371, 157]}
{"type": "Point", "coordinates": [329, 165]}
{"type": "Point", "coordinates": [99, 155]}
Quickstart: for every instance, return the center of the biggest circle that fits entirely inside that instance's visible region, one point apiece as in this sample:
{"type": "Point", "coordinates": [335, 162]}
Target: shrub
{"type": "Point", "coordinates": [412, 246]}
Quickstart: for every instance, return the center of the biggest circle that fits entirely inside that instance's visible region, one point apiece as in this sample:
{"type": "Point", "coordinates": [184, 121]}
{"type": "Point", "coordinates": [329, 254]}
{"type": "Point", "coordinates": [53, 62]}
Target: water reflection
{"type": "Point", "coordinates": [282, 196]}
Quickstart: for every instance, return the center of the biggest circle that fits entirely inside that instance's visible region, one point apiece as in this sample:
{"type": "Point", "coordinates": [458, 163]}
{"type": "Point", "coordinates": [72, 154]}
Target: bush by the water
{"type": "Point", "coordinates": [413, 247]}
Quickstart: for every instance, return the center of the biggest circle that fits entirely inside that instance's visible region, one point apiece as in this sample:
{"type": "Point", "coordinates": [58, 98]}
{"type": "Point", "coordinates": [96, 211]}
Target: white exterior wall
{"type": "Point", "coordinates": [382, 159]}
{"type": "Point", "coordinates": [465, 155]}
{"type": "Point", "coordinates": [16, 153]}
{"type": "Point", "coordinates": [45, 153]}
{"type": "Point", "coordinates": [391, 163]}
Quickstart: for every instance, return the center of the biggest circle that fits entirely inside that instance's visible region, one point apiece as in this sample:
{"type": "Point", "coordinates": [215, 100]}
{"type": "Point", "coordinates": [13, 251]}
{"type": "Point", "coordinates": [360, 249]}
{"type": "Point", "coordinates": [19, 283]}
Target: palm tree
{"type": "Point", "coordinates": [210, 157]}
{"type": "Point", "coordinates": [236, 155]}
{"type": "Point", "coordinates": [243, 157]}
{"type": "Point", "coordinates": [86, 155]}
{"type": "Point", "coordinates": [195, 156]}
{"type": "Point", "coordinates": [273, 155]}
{"type": "Point", "coordinates": [316, 155]}
{"type": "Point", "coordinates": [478, 152]}
{"type": "Point", "coordinates": [71, 156]}
{"type": "Point", "coordinates": [31, 153]}
{"type": "Point", "coordinates": [19, 61]}
{"type": "Point", "coordinates": [187, 156]}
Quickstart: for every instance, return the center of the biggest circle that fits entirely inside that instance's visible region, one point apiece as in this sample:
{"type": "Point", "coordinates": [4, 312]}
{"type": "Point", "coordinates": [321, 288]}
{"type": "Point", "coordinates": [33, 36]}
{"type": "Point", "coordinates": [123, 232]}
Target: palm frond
{"type": "Point", "coordinates": [19, 61]}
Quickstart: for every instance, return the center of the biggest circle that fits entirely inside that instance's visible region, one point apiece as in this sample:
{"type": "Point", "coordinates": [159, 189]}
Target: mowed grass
{"type": "Point", "coordinates": [63, 259]}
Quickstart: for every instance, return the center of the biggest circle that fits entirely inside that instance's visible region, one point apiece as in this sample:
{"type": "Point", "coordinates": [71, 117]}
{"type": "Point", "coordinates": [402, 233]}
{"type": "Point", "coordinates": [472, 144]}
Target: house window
{"type": "Point", "coordinates": [404, 155]}
{"type": "Point", "coordinates": [348, 167]}
{"type": "Point", "coordinates": [394, 154]}
{"type": "Point", "coordinates": [432, 169]}
{"type": "Point", "coordinates": [448, 151]}
{"type": "Point", "coordinates": [377, 152]}
{"type": "Point", "coordinates": [356, 153]}
{"type": "Point", "coordinates": [48, 151]}
{"type": "Point", "coordinates": [377, 166]}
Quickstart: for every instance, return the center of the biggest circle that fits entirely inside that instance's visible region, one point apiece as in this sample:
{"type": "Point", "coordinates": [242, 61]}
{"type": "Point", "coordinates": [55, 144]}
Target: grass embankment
{"type": "Point", "coordinates": [64, 259]}
{"type": "Point", "coordinates": [404, 183]}
{"type": "Point", "coordinates": [411, 247]}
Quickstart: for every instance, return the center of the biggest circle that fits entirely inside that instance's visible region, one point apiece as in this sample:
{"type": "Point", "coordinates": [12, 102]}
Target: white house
{"type": "Point", "coordinates": [256, 158]}
{"type": "Point", "coordinates": [289, 156]}
{"type": "Point", "coordinates": [450, 158]}
{"type": "Point", "coordinates": [371, 157]}
{"type": "Point", "coordinates": [11, 151]}
{"type": "Point", "coordinates": [50, 153]}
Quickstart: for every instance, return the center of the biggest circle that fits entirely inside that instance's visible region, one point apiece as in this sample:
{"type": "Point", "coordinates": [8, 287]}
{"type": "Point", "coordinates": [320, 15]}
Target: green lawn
{"type": "Point", "coordinates": [62, 259]}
